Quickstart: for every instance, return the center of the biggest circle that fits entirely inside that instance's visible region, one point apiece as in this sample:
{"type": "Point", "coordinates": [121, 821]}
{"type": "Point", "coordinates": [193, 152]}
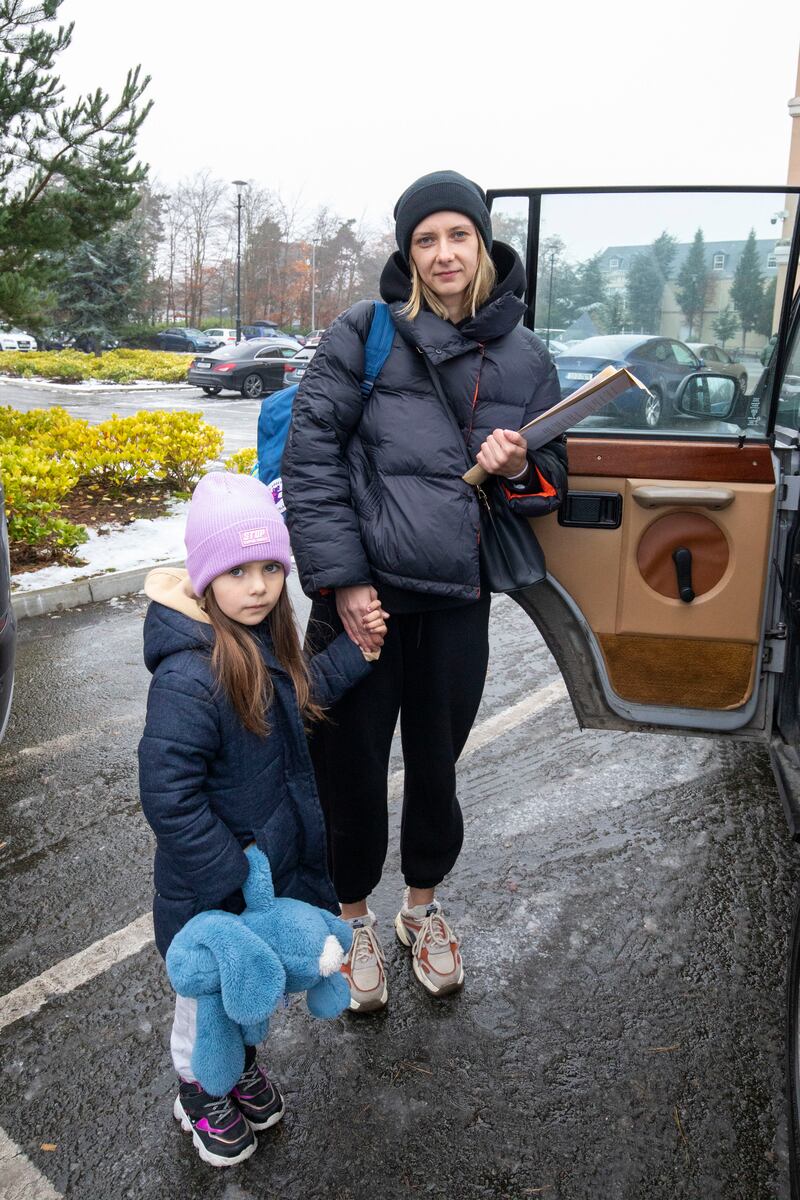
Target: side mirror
{"type": "Point", "coordinates": [707, 396]}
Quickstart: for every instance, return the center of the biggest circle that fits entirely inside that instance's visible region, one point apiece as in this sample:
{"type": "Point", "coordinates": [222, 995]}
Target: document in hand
{"type": "Point", "coordinates": [606, 386]}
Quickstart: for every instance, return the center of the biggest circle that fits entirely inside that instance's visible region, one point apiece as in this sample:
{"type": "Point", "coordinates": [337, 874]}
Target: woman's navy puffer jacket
{"type": "Point", "coordinates": [373, 489]}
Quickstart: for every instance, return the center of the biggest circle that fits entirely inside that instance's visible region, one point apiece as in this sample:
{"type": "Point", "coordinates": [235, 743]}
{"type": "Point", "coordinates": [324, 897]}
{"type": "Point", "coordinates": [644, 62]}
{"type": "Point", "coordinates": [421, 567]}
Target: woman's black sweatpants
{"type": "Point", "coordinates": [431, 671]}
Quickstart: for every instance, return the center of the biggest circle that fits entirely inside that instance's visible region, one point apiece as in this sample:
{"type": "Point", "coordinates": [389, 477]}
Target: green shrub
{"type": "Point", "coordinates": [115, 366]}
{"type": "Point", "coordinates": [45, 452]}
{"type": "Point", "coordinates": [242, 461]}
{"type": "Point", "coordinates": [34, 484]}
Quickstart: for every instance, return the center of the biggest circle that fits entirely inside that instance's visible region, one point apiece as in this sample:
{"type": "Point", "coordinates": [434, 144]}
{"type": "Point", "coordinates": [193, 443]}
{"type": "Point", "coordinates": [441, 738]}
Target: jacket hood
{"type": "Point", "coordinates": [175, 621]}
{"type": "Point", "coordinates": [440, 340]}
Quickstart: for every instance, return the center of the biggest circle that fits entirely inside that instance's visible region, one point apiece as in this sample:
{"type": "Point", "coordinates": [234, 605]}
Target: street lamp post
{"type": "Point", "coordinates": [239, 184]}
{"type": "Point", "coordinates": [313, 286]}
{"type": "Point", "coordinates": [550, 297]}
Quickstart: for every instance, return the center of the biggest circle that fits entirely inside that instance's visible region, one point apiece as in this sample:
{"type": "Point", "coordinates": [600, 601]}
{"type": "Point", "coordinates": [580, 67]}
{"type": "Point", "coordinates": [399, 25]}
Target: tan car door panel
{"type": "Point", "coordinates": [658, 649]}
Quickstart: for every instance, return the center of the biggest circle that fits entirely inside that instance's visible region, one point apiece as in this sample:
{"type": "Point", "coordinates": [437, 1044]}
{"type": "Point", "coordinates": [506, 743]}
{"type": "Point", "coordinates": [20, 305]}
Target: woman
{"type": "Point", "coordinates": [377, 506]}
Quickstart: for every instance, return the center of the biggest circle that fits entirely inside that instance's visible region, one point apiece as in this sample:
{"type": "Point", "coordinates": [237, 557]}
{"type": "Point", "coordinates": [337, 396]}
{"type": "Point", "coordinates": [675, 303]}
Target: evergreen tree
{"type": "Point", "coordinates": [746, 291]}
{"type": "Point", "coordinates": [765, 323]}
{"type": "Point", "coordinates": [590, 283]}
{"type": "Point", "coordinates": [67, 170]}
{"type": "Point", "coordinates": [664, 249]}
{"type": "Point", "coordinates": [725, 324]}
{"type": "Point", "coordinates": [644, 288]}
{"type": "Point", "coordinates": [102, 286]}
{"type": "Point", "coordinates": [692, 285]}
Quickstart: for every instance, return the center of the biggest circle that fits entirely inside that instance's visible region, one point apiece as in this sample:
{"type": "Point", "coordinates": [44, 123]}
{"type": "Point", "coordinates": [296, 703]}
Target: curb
{"type": "Point", "coordinates": [63, 596]}
{"type": "Point", "coordinates": [98, 387]}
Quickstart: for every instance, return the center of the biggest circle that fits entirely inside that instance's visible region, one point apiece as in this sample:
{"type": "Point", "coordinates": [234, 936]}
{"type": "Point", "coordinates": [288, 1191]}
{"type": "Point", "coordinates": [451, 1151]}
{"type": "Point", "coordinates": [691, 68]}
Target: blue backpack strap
{"type": "Point", "coordinates": [378, 344]}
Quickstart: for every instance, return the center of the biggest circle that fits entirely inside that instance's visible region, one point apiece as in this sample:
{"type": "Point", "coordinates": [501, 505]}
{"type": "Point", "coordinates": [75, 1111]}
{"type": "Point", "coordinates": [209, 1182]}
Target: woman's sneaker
{"type": "Point", "coordinates": [256, 1096]}
{"type": "Point", "coordinates": [221, 1135]}
{"type": "Point", "coordinates": [363, 968]}
{"type": "Point", "coordinates": [435, 953]}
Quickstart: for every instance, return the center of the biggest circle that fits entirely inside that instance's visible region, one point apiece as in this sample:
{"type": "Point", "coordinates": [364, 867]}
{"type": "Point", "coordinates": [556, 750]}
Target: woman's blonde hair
{"type": "Point", "coordinates": [475, 296]}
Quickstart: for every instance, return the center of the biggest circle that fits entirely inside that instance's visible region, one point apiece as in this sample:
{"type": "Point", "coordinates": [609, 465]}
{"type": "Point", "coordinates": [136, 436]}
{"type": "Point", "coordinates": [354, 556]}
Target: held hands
{"type": "Point", "coordinates": [504, 452]}
{"type": "Point", "coordinates": [362, 616]}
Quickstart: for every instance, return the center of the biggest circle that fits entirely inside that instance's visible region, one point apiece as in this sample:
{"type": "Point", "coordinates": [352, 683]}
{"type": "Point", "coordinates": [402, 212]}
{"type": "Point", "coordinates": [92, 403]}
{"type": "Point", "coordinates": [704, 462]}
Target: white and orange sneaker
{"type": "Point", "coordinates": [363, 968]}
{"type": "Point", "coordinates": [435, 953]}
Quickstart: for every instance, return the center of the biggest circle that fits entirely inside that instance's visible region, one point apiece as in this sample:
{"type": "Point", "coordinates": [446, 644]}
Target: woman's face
{"type": "Point", "coordinates": [444, 249]}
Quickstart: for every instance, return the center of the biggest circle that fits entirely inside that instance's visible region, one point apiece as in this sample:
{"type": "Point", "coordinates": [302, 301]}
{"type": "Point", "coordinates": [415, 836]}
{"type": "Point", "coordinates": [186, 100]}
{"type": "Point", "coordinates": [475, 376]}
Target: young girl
{"type": "Point", "coordinates": [223, 761]}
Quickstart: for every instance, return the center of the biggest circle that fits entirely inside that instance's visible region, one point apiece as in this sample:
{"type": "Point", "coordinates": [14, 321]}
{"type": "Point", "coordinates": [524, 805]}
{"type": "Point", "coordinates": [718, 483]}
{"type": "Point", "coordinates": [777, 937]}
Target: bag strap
{"type": "Point", "coordinates": [378, 344]}
{"type": "Point", "coordinates": [446, 405]}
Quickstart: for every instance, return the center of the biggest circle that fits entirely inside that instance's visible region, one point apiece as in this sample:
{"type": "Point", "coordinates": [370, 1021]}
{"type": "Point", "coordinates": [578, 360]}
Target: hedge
{"type": "Point", "coordinates": [44, 453]}
{"type": "Point", "coordinates": [115, 366]}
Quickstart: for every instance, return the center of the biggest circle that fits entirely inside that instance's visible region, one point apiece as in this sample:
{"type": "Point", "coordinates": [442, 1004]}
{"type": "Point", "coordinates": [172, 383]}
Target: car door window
{"type": "Point", "coordinates": [268, 354]}
{"type": "Point", "coordinates": [619, 263]}
{"type": "Point", "coordinates": [683, 355]}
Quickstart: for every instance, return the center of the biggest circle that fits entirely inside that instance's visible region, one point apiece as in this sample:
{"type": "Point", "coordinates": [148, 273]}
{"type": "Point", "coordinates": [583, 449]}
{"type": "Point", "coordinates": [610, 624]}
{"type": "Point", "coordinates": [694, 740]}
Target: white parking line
{"type": "Point", "coordinates": [21, 1180]}
{"type": "Point", "coordinates": [72, 972]}
{"type": "Point", "coordinates": [497, 725]}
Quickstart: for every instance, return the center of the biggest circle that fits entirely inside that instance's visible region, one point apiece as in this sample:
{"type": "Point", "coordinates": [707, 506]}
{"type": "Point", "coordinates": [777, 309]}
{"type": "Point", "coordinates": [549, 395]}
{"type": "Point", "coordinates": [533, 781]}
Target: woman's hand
{"type": "Point", "coordinates": [504, 452]}
{"type": "Point", "coordinates": [357, 608]}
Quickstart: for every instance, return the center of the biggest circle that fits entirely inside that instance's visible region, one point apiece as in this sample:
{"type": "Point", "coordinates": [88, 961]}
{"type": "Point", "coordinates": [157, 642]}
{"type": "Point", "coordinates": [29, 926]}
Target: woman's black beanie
{"type": "Point", "coordinates": [441, 191]}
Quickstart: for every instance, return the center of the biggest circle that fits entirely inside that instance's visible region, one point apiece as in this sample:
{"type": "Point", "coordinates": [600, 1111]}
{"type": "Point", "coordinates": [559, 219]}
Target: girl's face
{"type": "Point", "coordinates": [444, 248]}
{"type": "Point", "coordinates": [248, 593]}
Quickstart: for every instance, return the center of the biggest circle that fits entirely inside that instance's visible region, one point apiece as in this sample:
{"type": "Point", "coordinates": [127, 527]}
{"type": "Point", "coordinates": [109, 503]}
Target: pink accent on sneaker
{"type": "Point", "coordinates": [204, 1125]}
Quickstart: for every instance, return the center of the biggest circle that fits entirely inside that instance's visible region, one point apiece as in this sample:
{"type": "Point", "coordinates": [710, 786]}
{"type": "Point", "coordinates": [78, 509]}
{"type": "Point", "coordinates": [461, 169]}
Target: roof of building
{"type": "Point", "coordinates": [731, 249]}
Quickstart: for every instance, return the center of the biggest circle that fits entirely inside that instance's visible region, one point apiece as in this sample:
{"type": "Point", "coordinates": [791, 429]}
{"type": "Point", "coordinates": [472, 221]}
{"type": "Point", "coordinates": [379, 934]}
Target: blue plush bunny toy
{"type": "Point", "coordinates": [238, 968]}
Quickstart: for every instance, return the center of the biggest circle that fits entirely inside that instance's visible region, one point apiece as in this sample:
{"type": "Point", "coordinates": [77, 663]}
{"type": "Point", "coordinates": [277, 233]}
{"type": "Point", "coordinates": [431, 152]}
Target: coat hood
{"type": "Point", "coordinates": [440, 340]}
{"type": "Point", "coordinates": [175, 621]}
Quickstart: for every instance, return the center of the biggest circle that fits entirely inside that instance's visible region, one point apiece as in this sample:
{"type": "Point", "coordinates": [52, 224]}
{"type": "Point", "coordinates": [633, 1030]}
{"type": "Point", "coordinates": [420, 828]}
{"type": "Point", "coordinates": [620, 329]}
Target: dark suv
{"type": "Point", "coordinates": [187, 340]}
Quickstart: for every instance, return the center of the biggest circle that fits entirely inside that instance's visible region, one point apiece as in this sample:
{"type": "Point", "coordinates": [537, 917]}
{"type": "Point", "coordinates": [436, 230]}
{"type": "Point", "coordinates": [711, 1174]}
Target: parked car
{"type": "Point", "coordinates": [721, 362]}
{"type": "Point", "coordinates": [8, 341]}
{"type": "Point", "coordinates": [295, 368]}
{"type": "Point", "coordinates": [25, 341]}
{"type": "Point", "coordinates": [186, 340]}
{"type": "Point", "coordinates": [222, 337]}
{"type": "Point", "coordinates": [660, 363]}
{"type": "Point", "coordinates": [555, 347]}
{"type": "Point", "coordinates": [87, 343]}
{"type": "Point", "coordinates": [8, 624]}
{"type": "Point", "coordinates": [267, 330]}
{"type": "Point", "coordinates": [252, 368]}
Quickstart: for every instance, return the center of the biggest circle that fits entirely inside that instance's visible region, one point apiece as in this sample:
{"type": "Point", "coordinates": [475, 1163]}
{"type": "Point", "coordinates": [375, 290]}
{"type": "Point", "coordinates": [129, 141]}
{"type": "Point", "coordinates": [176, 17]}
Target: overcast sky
{"type": "Point", "coordinates": [345, 103]}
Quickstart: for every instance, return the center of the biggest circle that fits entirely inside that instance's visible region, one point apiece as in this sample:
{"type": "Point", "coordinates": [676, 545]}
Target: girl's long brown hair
{"type": "Point", "coordinates": [241, 671]}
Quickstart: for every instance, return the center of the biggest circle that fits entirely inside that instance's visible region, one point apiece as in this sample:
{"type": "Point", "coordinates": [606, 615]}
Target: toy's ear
{"type": "Point", "coordinates": [218, 1054]}
{"type": "Point", "coordinates": [252, 978]}
{"type": "Point", "coordinates": [329, 997]}
{"type": "Point", "coordinates": [191, 961]}
{"type": "Point", "coordinates": [259, 893]}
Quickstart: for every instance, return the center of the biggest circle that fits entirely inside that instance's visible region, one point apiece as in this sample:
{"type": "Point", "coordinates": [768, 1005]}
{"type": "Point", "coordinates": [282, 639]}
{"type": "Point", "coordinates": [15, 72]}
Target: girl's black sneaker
{"type": "Point", "coordinates": [221, 1134]}
{"type": "Point", "coordinates": [256, 1096]}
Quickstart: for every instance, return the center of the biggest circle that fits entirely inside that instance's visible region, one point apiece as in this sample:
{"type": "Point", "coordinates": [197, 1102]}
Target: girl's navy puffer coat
{"type": "Point", "coordinates": [209, 787]}
{"type": "Point", "coordinates": [373, 488]}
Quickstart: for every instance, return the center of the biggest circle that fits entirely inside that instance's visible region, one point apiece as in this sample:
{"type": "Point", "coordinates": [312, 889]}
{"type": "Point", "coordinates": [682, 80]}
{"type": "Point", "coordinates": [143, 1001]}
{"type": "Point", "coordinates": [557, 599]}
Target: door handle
{"type": "Point", "coordinates": [662, 497]}
{"type": "Point", "coordinates": [682, 557]}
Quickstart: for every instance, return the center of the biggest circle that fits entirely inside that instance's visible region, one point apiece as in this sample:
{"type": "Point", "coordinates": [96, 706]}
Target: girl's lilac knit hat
{"type": "Point", "coordinates": [232, 520]}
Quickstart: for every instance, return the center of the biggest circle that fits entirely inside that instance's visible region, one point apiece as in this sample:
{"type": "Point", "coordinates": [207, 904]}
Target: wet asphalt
{"type": "Point", "coordinates": [624, 904]}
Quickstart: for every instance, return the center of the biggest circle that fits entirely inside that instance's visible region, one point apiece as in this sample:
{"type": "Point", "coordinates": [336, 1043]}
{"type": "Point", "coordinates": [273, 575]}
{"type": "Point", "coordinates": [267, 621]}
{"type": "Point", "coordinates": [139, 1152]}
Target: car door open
{"type": "Point", "coordinates": [658, 605]}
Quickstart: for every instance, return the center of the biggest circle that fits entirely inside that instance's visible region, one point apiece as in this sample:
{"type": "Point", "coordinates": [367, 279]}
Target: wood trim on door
{"type": "Point", "coordinates": [715, 462]}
